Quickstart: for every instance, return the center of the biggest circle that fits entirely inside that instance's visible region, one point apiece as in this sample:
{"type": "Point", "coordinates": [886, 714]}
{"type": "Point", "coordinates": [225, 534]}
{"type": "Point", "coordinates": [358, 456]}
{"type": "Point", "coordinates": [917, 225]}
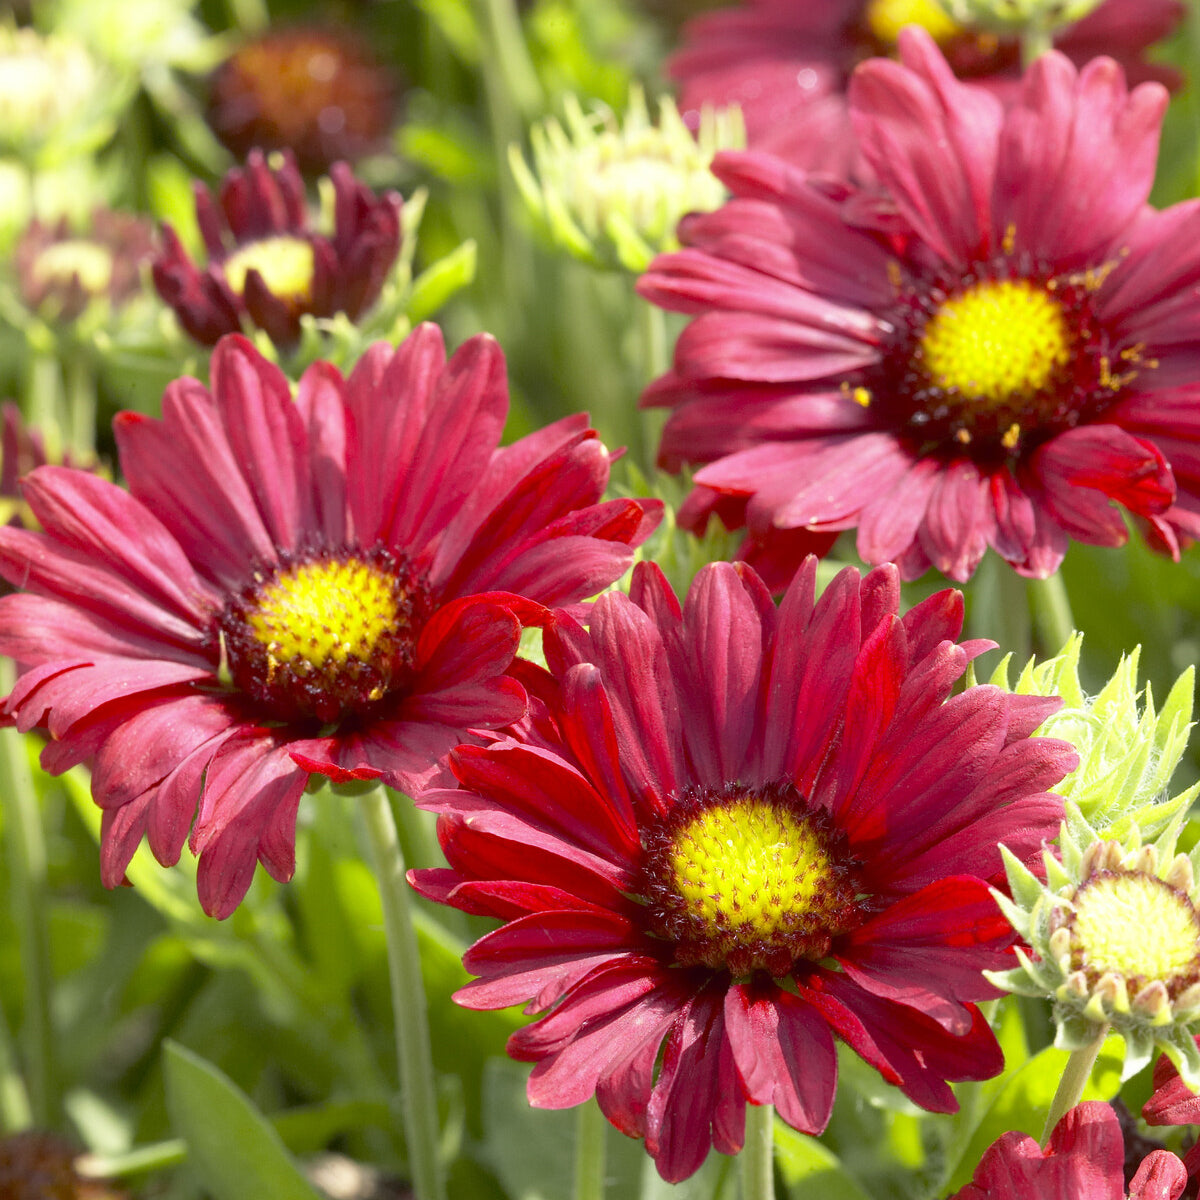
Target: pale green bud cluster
{"type": "Point", "coordinates": [1114, 942]}
{"type": "Point", "coordinates": [611, 191]}
{"type": "Point", "coordinates": [1014, 17]}
{"type": "Point", "coordinates": [1128, 751]}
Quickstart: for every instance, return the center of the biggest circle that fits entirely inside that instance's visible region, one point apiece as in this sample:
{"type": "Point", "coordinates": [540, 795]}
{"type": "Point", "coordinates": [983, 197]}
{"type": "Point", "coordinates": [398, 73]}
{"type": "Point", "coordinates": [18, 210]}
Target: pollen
{"type": "Point", "coordinates": [885, 19]}
{"type": "Point", "coordinates": [286, 264]}
{"type": "Point", "coordinates": [996, 341]}
{"type": "Point", "coordinates": [750, 879]}
{"type": "Point", "coordinates": [1135, 925]}
{"type": "Point", "coordinates": [327, 637]}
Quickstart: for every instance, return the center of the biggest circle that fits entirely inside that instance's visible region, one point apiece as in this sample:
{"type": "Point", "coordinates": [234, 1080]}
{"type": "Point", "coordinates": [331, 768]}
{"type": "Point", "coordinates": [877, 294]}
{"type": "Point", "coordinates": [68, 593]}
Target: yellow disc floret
{"type": "Point", "coordinates": [1134, 924]}
{"type": "Point", "coordinates": [325, 612]}
{"type": "Point", "coordinates": [745, 879]}
{"type": "Point", "coordinates": [885, 19]}
{"type": "Point", "coordinates": [996, 341]}
{"type": "Point", "coordinates": [62, 261]}
{"type": "Point", "coordinates": [326, 637]}
{"type": "Point", "coordinates": [286, 265]}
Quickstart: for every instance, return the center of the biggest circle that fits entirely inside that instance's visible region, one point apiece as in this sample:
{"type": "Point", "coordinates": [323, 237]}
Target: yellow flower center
{"type": "Point", "coordinates": [324, 613]}
{"type": "Point", "coordinates": [1135, 925]}
{"type": "Point", "coordinates": [885, 19]}
{"type": "Point", "coordinates": [62, 261]}
{"type": "Point", "coordinates": [746, 879]}
{"type": "Point", "coordinates": [286, 265]}
{"type": "Point", "coordinates": [997, 340]}
{"type": "Point", "coordinates": [327, 637]}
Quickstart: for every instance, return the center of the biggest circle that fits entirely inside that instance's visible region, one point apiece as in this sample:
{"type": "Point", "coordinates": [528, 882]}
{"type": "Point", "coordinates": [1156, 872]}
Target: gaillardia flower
{"type": "Point", "coordinates": [315, 91]}
{"type": "Point", "coordinates": [1084, 1160]}
{"type": "Point", "coordinates": [63, 272]}
{"type": "Point", "coordinates": [1174, 1103]}
{"type": "Point", "coordinates": [733, 832]}
{"type": "Point", "coordinates": [1113, 934]}
{"type": "Point", "coordinates": [294, 587]}
{"type": "Point", "coordinates": [787, 64]}
{"type": "Point", "coordinates": [268, 263]}
{"type": "Point", "coordinates": [989, 355]}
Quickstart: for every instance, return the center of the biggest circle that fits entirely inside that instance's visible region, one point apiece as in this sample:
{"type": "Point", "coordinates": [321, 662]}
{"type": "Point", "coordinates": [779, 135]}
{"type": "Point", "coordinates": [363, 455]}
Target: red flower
{"type": "Point", "coordinates": [267, 263]}
{"type": "Point", "coordinates": [991, 355]}
{"type": "Point", "coordinates": [1174, 1103]}
{"type": "Point", "coordinates": [714, 803]}
{"type": "Point", "coordinates": [1084, 1158]}
{"type": "Point", "coordinates": [293, 587]}
{"type": "Point", "coordinates": [787, 64]}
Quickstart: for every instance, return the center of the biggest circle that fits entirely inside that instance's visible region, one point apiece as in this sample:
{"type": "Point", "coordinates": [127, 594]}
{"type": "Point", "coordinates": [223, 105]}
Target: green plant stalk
{"type": "Point", "coordinates": [590, 1127]}
{"type": "Point", "coordinates": [30, 898]}
{"type": "Point", "coordinates": [1051, 606]}
{"type": "Point", "coordinates": [80, 378]}
{"type": "Point", "coordinates": [757, 1156]}
{"type": "Point", "coordinates": [418, 1091]}
{"type": "Point", "coordinates": [15, 1111]}
{"type": "Point", "coordinates": [1035, 41]}
{"type": "Point", "coordinates": [999, 607]}
{"type": "Point", "coordinates": [1074, 1079]}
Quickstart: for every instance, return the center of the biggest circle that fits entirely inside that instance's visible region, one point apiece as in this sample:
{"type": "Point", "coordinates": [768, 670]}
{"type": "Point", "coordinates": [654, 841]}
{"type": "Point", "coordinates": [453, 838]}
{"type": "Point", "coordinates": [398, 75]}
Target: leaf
{"type": "Point", "coordinates": [810, 1170]}
{"type": "Point", "coordinates": [232, 1148]}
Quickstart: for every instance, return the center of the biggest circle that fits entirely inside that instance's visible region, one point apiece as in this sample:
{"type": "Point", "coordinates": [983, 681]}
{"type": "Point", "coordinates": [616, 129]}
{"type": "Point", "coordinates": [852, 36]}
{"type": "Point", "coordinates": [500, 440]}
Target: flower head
{"type": "Point", "coordinates": [293, 587]}
{"type": "Point", "coordinates": [788, 65]}
{"type": "Point", "coordinates": [612, 191]}
{"type": "Point", "coordinates": [35, 1165]}
{"type": "Point", "coordinates": [1127, 751]}
{"type": "Point", "coordinates": [1114, 940]}
{"type": "Point", "coordinates": [1084, 1158]}
{"type": "Point", "coordinates": [732, 833]}
{"type": "Point", "coordinates": [267, 263]}
{"type": "Point", "coordinates": [1173, 1102]}
{"type": "Point", "coordinates": [996, 352]}
{"type": "Point", "coordinates": [315, 91]}
{"type": "Point", "coordinates": [63, 273]}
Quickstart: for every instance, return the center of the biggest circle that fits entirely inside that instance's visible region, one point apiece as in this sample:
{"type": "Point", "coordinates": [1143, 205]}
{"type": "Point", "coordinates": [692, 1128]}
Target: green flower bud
{"type": "Point", "coordinates": [612, 191]}
{"type": "Point", "coordinates": [1014, 17]}
{"type": "Point", "coordinates": [1127, 751]}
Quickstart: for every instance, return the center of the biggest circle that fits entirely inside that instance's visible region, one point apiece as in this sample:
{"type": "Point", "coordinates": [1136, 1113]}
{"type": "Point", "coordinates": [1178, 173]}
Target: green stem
{"type": "Point", "coordinates": [15, 1111]}
{"type": "Point", "coordinates": [590, 1127]}
{"type": "Point", "coordinates": [757, 1156]}
{"type": "Point", "coordinates": [408, 999]}
{"type": "Point", "coordinates": [511, 55]}
{"type": "Point", "coordinates": [1051, 607]}
{"type": "Point", "coordinates": [1036, 41]}
{"type": "Point", "coordinates": [81, 407]}
{"type": "Point", "coordinates": [655, 361]}
{"type": "Point", "coordinates": [43, 397]}
{"type": "Point", "coordinates": [999, 608]}
{"type": "Point", "coordinates": [1074, 1079]}
{"type": "Point", "coordinates": [27, 859]}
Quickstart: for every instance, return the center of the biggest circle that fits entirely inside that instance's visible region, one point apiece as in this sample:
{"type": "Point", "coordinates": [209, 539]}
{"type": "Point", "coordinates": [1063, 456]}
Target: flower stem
{"type": "Point", "coordinates": [757, 1157]}
{"type": "Point", "coordinates": [27, 864]}
{"type": "Point", "coordinates": [408, 999]}
{"type": "Point", "coordinates": [590, 1127]}
{"type": "Point", "coordinates": [1035, 41]}
{"type": "Point", "coordinates": [81, 406]}
{"type": "Point", "coordinates": [1051, 612]}
{"type": "Point", "coordinates": [1074, 1079]}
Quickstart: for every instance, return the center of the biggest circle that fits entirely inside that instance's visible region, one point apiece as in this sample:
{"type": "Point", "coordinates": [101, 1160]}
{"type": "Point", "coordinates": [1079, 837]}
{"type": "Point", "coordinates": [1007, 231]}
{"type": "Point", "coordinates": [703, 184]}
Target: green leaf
{"type": "Point", "coordinates": [232, 1148]}
{"type": "Point", "coordinates": [440, 280]}
{"type": "Point", "coordinates": [810, 1170]}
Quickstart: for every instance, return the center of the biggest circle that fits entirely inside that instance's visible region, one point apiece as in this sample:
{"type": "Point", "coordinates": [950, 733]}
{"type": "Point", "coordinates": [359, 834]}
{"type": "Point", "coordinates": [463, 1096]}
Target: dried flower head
{"type": "Point", "coordinates": [611, 190]}
{"type": "Point", "coordinates": [316, 91]}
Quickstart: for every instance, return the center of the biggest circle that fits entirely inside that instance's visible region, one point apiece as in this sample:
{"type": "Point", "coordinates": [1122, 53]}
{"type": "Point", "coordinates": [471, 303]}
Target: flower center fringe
{"type": "Point", "coordinates": [748, 879]}
{"type": "Point", "coordinates": [73, 258]}
{"type": "Point", "coordinates": [885, 19]}
{"type": "Point", "coordinates": [286, 264]}
{"type": "Point", "coordinates": [328, 636]}
{"type": "Point", "coordinates": [1137, 925]}
{"type": "Point", "coordinates": [997, 339]}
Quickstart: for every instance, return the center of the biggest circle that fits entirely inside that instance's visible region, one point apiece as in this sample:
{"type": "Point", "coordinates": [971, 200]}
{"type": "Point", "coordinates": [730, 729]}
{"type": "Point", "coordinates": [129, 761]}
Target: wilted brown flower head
{"type": "Point", "coordinates": [315, 91]}
{"type": "Point", "coordinates": [41, 1166]}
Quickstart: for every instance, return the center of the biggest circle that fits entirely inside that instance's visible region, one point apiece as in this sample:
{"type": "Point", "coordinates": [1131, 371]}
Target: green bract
{"type": "Point", "coordinates": [1112, 937]}
{"type": "Point", "coordinates": [1014, 17]}
{"type": "Point", "coordinates": [1127, 751]}
{"type": "Point", "coordinates": [611, 191]}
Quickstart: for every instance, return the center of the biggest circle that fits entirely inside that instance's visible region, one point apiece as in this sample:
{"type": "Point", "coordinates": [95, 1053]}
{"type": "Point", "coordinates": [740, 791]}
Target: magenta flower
{"type": "Point", "coordinates": [321, 585]}
{"type": "Point", "coordinates": [267, 263]}
{"type": "Point", "coordinates": [995, 354]}
{"type": "Point", "coordinates": [1084, 1158]}
{"type": "Point", "coordinates": [1174, 1103]}
{"type": "Point", "coordinates": [730, 833]}
{"type": "Point", "coordinates": [787, 65]}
